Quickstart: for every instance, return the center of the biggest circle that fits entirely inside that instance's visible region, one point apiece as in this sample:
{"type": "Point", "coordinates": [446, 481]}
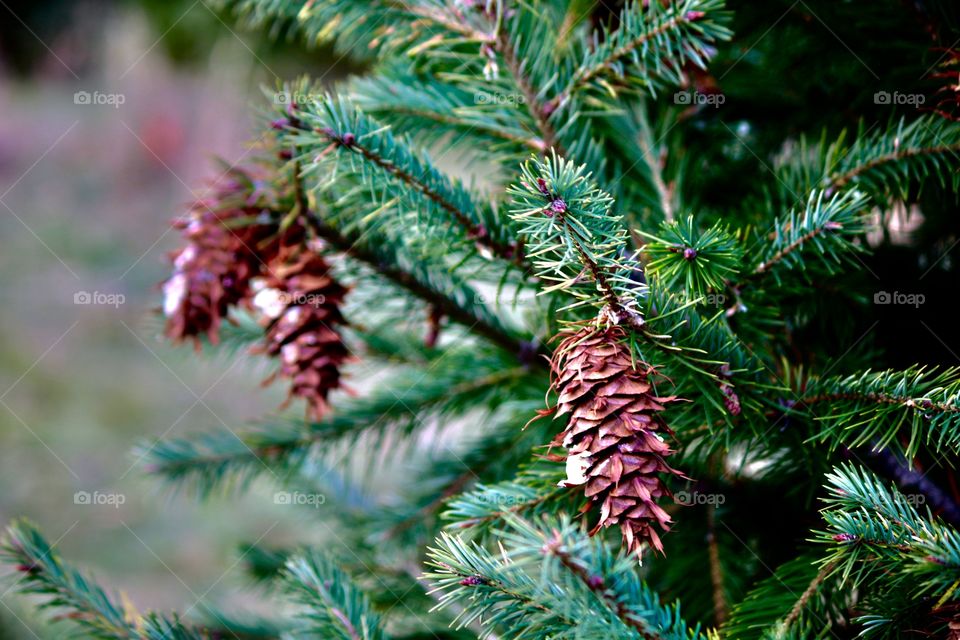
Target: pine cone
{"type": "Point", "coordinates": [613, 437]}
{"type": "Point", "coordinates": [301, 303]}
{"type": "Point", "coordinates": [213, 272]}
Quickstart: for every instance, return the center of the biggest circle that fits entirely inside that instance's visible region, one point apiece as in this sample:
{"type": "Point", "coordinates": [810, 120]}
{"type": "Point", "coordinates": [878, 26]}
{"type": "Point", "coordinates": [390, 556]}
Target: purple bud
{"type": "Point", "coordinates": [595, 582]}
{"type": "Point", "coordinates": [542, 186]}
{"type": "Point", "coordinates": [689, 253]}
{"type": "Point", "coordinates": [693, 16]}
{"type": "Point", "coordinates": [479, 231]}
{"type": "Point", "coordinates": [348, 139]}
{"type": "Point", "coordinates": [472, 581]}
{"type": "Point", "coordinates": [280, 123]}
{"type": "Point", "coordinates": [844, 537]}
{"type": "Point", "coordinates": [558, 205]}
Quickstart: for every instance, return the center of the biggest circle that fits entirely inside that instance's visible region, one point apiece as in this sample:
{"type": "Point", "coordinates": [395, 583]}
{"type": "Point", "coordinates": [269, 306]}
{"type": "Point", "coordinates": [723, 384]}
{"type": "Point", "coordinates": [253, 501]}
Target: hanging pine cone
{"type": "Point", "coordinates": [301, 303]}
{"type": "Point", "coordinates": [225, 250]}
{"type": "Point", "coordinates": [614, 441]}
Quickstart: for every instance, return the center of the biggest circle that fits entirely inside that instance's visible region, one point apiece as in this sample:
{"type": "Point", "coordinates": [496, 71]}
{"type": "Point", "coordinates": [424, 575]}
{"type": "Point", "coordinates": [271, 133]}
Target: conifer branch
{"type": "Point", "coordinates": [473, 230]}
{"type": "Point", "coordinates": [653, 42]}
{"type": "Point", "coordinates": [574, 239]}
{"type": "Point", "coordinates": [878, 407]}
{"type": "Point", "coordinates": [587, 74]}
{"type": "Point", "coordinates": [555, 546]}
{"type": "Point", "coordinates": [334, 607]}
{"type": "Point", "coordinates": [872, 528]}
{"type": "Point", "coordinates": [884, 164]}
{"type": "Point", "coordinates": [808, 593]}
{"type": "Point", "coordinates": [73, 596]}
{"type": "Point", "coordinates": [536, 107]}
{"type": "Point", "coordinates": [583, 588]}
{"type": "Point", "coordinates": [841, 180]}
{"type": "Point", "coordinates": [225, 460]}
{"type": "Point", "coordinates": [716, 569]}
{"type": "Point", "coordinates": [451, 308]}
{"type": "Point", "coordinates": [534, 144]}
{"type": "Point", "coordinates": [326, 130]}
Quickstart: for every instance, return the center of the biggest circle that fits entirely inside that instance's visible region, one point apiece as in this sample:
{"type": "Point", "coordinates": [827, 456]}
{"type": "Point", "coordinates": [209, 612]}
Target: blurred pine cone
{"type": "Point", "coordinates": [226, 245]}
{"type": "Point", "coordinates": [301, 303]}
{"type": "Point", "coordinates": [614, 441]}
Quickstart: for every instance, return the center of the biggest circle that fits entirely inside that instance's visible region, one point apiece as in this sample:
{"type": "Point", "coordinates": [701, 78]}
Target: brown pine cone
{"type": "Point", "coordinates": [615, 433]}
{"type": "Point", "coordinates": [301, 303]}
{"type": "Point", "coordinates": [226, 247]}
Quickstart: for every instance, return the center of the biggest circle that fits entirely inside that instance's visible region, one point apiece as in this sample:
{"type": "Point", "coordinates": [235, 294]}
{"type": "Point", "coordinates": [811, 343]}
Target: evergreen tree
{"type": "Point", "coordinates": [667, 220]}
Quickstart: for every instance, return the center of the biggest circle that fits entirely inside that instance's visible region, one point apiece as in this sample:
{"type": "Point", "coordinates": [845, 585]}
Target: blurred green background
{"type": "Point", "coordinates": [86, 195]}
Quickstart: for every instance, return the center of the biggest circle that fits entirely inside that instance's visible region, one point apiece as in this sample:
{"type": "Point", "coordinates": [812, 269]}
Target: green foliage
{"type": "Point", "coordinates": [873, 528]}
{"type": "Point", "coordinates": [72, 595]}
{"type": "Point", "coordinates": [822, 232]}
{"type": "Point", "coordinates": [332, 606]}
{"type": "Point", "coordinates": [688, 259]}
{"type": "Point", "coordinates": [574, 239]}
{"type": "Point", "coordinates": [549, 577]}
{"type": "Point", "coordinates": [531, 492]}
{"type": "Point", "coordinates": [333, 137]}
{"type": "Point", "coordinates": [780, 605]}
{"type": "Point", "coordinates": [897, 409]}
{"type": "Point", "coordinates": [651, 46]}
{"type": "Point", "coordinates": [459, 378]}
{"type": "Point", "coordinates": [884, 162]}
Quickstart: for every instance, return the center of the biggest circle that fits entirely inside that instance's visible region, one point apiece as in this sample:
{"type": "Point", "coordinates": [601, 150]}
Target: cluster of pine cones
{"type": "Point", "coordinates": [236, 255]}
{"type": "Point", "coordinates": [615, 433]}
